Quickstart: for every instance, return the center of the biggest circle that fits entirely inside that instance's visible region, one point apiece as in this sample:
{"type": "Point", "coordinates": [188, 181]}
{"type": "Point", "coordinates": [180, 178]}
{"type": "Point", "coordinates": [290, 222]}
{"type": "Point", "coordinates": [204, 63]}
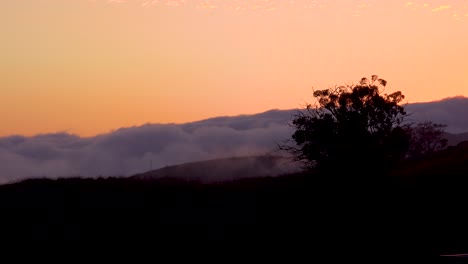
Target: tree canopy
{"type": "Point", "coordinates": [351, 127]}
{"type": "Point", "coordinates": [426, 138]}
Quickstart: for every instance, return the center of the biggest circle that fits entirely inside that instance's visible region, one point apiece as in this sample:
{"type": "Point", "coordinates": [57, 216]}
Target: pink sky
{"type": "Point", "coordinates": [88, 67]}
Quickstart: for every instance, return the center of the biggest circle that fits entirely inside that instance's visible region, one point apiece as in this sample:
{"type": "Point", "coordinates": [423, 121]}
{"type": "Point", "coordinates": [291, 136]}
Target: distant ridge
{"type": "Point", "coordinates": [227, 169]}
{"type": "Point", "coordinates": [451, 111]}
{"type": "Point", "coordinates": [462, 97]}
{"type": "Point", "coordinates": [455, 139]}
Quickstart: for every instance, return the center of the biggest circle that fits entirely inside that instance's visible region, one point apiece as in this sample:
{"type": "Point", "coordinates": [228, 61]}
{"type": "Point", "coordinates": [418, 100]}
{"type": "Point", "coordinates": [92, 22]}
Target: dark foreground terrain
{"type": "Point", "coordinates": [417, 211]}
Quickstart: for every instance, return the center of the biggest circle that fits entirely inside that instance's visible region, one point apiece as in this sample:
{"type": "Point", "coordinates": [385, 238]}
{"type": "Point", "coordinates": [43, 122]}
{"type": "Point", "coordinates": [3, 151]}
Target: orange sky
{"type": "Point", "coordinates": [88, 67]}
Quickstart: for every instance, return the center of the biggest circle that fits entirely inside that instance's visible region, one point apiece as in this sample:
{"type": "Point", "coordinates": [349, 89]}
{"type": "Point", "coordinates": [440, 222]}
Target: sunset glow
{"type": "Point", "coordinates": [91, 66]}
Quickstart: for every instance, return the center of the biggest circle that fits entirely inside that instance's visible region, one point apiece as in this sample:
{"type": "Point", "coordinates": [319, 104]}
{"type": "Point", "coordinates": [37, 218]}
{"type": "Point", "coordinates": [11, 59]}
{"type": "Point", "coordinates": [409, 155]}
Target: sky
{"type": "Point", "coordinates": [88, 67]}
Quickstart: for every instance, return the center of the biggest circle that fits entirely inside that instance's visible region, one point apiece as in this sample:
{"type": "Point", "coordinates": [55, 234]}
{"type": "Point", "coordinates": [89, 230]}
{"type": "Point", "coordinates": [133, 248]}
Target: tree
{"type": "Point", "coordinates": [427, 137]}
{"type": "Point", "coordinates": [353, 127]}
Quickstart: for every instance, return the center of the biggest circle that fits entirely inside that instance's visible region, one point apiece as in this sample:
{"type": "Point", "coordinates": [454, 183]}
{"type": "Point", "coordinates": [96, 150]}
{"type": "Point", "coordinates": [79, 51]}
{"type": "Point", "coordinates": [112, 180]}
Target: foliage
{"type": "Point", "coordinates": [352, 126]}
{"type": "Point", "coordinates": [427, 137]}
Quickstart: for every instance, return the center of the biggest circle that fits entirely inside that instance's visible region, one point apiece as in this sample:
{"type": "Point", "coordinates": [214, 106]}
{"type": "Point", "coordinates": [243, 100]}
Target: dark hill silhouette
{"type": "Point", "coordinates": [417, 211]}
{"type": "Point", "coordinates": [235, 168]}
{"type": "Point", "coordinates": [223, 170]}
{"type": "Point", "coordinates": [455, 139]}
{"type": "Point", "coordinates": [432, 193]}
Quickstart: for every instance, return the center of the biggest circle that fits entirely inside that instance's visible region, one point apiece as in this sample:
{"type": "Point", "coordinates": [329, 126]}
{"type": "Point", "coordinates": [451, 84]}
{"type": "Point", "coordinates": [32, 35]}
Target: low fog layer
{"type": "Point", "coordinates": [222, 170]}
{"type": "Point", "coordinates": [129, 151]}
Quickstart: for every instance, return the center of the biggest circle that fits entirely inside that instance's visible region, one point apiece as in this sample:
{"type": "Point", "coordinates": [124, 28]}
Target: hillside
{"type": "Point", "coordinates": [455, 139]}
{"type": "Point", "coordinates": [450, 111]}
{"type": "Point", "coordinates": [223, 170]}
{"type": "Point", "coordinates": [416, 212]}
{"type": "Point", "coordinates": [236, 168]}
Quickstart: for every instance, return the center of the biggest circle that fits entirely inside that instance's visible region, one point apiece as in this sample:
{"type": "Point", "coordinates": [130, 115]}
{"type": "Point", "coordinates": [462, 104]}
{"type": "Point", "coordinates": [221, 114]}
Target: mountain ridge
{"type": "Point", "coordinates": [225, 169]}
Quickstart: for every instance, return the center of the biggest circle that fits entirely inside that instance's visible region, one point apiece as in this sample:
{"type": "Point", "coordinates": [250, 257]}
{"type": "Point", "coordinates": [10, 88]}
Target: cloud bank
{"type": "Point", "coordinates": [129, 151]}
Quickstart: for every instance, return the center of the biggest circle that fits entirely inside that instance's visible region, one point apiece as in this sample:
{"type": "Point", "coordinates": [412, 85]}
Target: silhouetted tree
{"type": "Point", "coordinates": [351, 127]}
{"type": "Point", "coordinates": [427, 137]}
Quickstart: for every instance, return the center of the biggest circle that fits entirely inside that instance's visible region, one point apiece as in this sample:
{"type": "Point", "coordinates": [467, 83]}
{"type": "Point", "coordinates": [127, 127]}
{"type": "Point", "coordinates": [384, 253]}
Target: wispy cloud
{"type": "Point", "coordinates": [207, 5]}
{"type": "Point", "coordinates": [360, 7]}
{"type": "Point", "coordinates": [441, 8]}
{"type": "Point", "coordinates": [146, 3]}
{"type": "Point", "coordinates": [150, 3]}
{"type": "Point", "coordinates": [175, 2]}
{"type": "Point", "coordinates": [453, 9]}
{"type": "Point", "coordinates": [415, 5]}
{"type": "Point", "coordinates": [278, 4]}
{"type": "Point", "coordinates": [238, 5]}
